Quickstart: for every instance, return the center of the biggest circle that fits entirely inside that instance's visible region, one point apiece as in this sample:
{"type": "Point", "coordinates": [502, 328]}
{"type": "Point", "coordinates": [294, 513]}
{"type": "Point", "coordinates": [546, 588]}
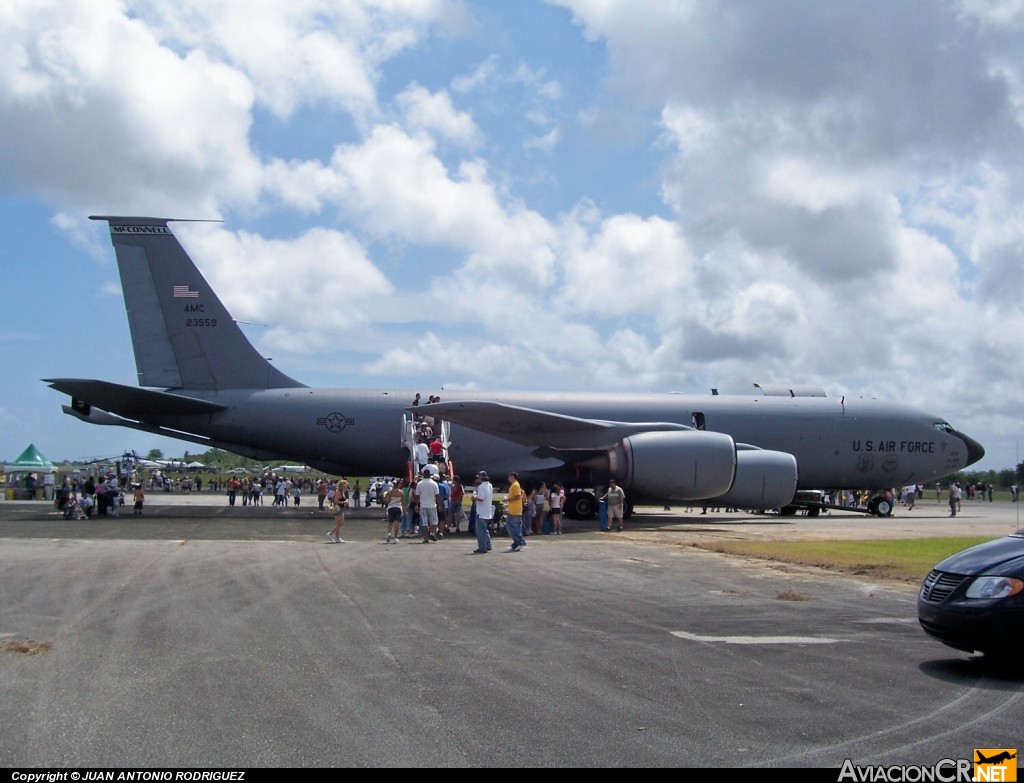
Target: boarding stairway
{"type": "Point", "coordinates": [410, 437]}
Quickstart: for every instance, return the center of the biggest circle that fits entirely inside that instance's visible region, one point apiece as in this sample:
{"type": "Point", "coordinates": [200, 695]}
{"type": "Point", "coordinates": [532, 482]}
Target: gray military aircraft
{"type": "Point", "coordinates": [207, 384]}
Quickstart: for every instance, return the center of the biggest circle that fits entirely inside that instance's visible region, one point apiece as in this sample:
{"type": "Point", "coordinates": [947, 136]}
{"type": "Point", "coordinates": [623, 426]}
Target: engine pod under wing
{"type": "Point", "coordinates": [687, 465]}
{"type": "Point", "coordinates": [764, 479]}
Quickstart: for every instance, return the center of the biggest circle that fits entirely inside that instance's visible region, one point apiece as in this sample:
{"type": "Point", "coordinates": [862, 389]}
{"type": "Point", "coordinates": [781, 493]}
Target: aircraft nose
{"type": "Point", "coordinates": [975, 451]}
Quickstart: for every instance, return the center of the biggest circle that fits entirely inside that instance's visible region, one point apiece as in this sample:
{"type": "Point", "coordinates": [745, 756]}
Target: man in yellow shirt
{"type": "Point", "coordinates": [514, 522]}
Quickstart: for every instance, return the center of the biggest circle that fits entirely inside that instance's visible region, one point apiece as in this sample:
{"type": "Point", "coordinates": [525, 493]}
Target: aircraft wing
{"type": "Point", "coordinates": [131, 401]}
{"type": "Point", "coordinates": [532, 427]}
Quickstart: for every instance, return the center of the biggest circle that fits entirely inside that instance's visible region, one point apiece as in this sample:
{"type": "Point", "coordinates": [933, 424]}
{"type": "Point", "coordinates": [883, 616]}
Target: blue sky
{"type": "Point", "coordinates": [620, 195]}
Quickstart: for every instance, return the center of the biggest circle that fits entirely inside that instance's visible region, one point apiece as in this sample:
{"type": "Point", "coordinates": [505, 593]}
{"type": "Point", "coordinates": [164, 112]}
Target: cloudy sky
{"type": "Point", "coordinates": [659, 195]}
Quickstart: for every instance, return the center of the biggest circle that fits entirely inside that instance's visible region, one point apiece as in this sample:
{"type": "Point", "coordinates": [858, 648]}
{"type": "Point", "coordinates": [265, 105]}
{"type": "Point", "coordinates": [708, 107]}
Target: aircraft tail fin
{"type": "Point", "coordinates": [183, 336]}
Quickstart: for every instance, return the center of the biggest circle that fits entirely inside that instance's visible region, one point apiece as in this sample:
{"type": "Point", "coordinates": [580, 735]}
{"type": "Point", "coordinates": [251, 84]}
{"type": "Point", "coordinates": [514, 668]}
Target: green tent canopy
{"type": "Point", "coordinates": [30, 461]}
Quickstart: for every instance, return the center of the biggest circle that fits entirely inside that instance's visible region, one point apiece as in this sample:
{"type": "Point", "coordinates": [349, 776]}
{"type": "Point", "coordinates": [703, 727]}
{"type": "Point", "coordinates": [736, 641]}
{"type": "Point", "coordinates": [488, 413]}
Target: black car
{"type": "Point", "coordinates": [974, 600]}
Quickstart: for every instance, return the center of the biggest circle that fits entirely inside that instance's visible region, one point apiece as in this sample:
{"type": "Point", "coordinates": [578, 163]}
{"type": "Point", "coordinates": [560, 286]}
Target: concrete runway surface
{"type": "Point", "coordinates": [202, 635]}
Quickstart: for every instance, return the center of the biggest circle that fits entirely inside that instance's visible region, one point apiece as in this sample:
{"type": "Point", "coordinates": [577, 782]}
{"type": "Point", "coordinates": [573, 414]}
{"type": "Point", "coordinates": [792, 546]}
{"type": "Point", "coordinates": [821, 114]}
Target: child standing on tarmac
{"type": "Point", "coordinates": [139, 496]}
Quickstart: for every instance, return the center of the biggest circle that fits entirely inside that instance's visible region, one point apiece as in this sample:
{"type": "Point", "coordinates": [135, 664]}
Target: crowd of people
{"type": "Point", "coordinates": [284, 491]}
{"type": "Point", "coordinates": [105, 493]}
{"type": "Point", "coordinates": [102, 495]}
{"type": "Point", "coordinates": [432, 506]}
{"type": "Point", "coordinates": [953, 494]}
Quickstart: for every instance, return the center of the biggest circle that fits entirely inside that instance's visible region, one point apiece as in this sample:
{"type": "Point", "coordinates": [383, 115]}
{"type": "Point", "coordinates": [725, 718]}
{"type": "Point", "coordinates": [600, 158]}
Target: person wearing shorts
{"type": "Point", "coordinates": [556, 500]}
{"type": "Point", "coordinates": [395, 502]}
{"type": "Point", "coordinates": [428, 497]}
{"type": "Point", "coordinates": [340, 502]}
{"type": "Point", "coordinates": [455, 512]}
{"type": "Point", "coordinates": [616, 499]}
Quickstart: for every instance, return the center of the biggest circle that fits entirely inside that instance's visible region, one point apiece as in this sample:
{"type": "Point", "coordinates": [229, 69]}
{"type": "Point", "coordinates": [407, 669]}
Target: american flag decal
{"type": "Point", "coordinates": [183, 292]}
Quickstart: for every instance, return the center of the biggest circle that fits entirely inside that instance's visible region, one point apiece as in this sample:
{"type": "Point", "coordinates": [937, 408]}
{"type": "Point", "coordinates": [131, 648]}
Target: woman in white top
{"type": "Point", "coordinates": [395, 501]}
{"type": "Point", "coordinates": [556, 499]}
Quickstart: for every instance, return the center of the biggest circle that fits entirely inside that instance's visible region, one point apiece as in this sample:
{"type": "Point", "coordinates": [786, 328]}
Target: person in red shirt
{"type": "Point", "coordinates": [233, 486]}
{"type": "Point", "coordinates": [436, 450]}
{"type": "Point", "coordinates": [455, 512]}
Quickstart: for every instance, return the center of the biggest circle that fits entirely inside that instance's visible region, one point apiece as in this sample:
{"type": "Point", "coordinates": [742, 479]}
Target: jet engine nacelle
{"type": "Point", "coordinates": [678, 465]}
{"type": "Point", "coordinates": [764, 479]}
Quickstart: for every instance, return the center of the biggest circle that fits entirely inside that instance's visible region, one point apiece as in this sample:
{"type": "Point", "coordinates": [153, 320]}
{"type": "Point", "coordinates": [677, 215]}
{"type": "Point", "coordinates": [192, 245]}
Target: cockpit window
{"type": "Point", "coordinates": [943, 426]}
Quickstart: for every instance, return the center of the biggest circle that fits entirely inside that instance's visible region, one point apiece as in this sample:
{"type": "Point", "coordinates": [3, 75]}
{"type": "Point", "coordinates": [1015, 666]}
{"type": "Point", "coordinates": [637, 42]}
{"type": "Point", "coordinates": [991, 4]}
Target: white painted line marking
{"type": "Point", "coordinates": [757, 639]}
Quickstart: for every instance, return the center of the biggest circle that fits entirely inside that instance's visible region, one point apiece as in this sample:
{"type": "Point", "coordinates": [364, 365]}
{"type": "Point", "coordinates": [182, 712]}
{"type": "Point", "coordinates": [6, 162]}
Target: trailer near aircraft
{"type": "Point", "coordinates": [202, 381]}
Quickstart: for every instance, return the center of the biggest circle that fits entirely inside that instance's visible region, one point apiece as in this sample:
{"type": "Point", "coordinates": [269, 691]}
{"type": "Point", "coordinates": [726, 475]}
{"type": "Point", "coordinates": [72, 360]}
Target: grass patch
{"type": "Point", "coordinates": [904, 560]}
{"type": "Point", "coordinates": [28, 647]}
{"type": "Point", "coordinates": [790, 595]}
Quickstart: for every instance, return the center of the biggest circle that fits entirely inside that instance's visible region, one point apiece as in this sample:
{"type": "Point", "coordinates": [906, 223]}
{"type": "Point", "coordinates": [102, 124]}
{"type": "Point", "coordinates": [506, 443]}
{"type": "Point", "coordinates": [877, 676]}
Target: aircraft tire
{"type": "Point", "coordinates": [581, 505]}
{"type": "Point", "coordinates": [813, 511]}
{"type": "Point", "coordinates": [880, 506]}
{"type": "Point", "coordinates": [787, 511]}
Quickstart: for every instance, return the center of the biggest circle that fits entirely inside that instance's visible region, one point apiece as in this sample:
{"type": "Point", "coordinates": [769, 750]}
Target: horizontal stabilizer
{"type": "Point", "coordinates": [531, 427]}
{"type": "Point", "coordinates": [131, 401]}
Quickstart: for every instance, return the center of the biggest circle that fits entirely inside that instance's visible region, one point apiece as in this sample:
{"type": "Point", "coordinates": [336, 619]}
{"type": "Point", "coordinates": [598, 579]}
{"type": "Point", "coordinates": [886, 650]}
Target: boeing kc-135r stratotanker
{"type": "Point", "coordinates": [206, 383]}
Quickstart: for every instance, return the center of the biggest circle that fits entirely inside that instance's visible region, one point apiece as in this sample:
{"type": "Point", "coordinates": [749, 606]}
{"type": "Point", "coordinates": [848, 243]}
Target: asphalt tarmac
{"type": "Point", "coordinates": [203, 635]}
